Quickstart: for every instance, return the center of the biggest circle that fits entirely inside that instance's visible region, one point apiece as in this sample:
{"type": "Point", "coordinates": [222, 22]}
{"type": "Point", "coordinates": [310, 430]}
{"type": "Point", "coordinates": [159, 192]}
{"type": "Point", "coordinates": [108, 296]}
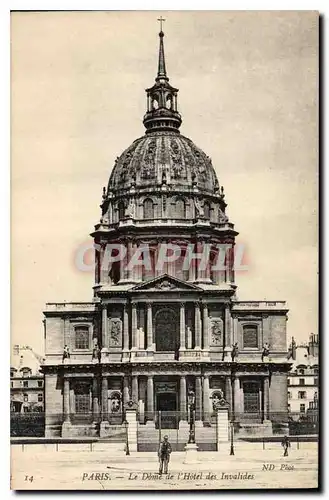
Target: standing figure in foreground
{"type": "Point", "coordinates": [286, 444]}
{"type": "Point", "coordinates": [164, 455]}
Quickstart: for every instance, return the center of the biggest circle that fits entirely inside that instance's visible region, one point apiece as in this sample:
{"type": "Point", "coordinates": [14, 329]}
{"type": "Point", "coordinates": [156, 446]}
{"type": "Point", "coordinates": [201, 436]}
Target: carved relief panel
{"type": "Point", "coordinates": [216, 333]}
{"type": "Point", "coordinates": [115, 332]}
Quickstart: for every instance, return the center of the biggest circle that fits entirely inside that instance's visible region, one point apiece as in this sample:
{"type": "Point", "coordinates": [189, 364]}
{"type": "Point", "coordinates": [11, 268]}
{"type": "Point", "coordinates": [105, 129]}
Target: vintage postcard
{"type": "Point", "coordinates": [164, 250]}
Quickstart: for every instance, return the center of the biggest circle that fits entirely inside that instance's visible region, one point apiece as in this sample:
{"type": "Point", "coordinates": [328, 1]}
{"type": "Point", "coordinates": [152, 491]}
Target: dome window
{"type": "Point", "coordinates": [121, 208]}
{"type": "Point", "coordinates": [148, 209]}
{"type": "Point", "coordinates": [206, 210]}
{"type": "Point", "coordinates": [180, 212]}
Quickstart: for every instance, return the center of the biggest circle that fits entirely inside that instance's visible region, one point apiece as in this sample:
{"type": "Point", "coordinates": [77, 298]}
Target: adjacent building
{"type": "Point", "coordinates": [26, 381]}
{"type": "Point", "coordinates": [151, 335]}
{"type": "Point", "coordinates": [303, 378]}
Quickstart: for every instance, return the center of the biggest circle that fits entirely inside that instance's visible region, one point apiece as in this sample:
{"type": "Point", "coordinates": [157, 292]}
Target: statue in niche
{"type": "Point", "coordinates": [131, 209]}
{"type": "Point", "coordinates": [115, 331]}
{"type": "Point", "coordinates": [235, 351]}
{"type": "Point", "coordinates": [266, 351]}
{"type": "Point", "coordinates": [141, 337]}
{"type": "Point", "coordinates": [199, 208]}
{"type": "Point", "coordinates": [221, 216]}
{"type": "Point", "coordinates": [216, 332]}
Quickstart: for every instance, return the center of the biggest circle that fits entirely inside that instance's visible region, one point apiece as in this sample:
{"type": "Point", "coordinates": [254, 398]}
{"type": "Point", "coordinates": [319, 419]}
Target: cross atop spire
{"type": "Point", "coordinates": [162, 113]}
{"type": "Point", "coordinates": [162, 74]}
{"type": "Point", "coordinates": [161, 20]}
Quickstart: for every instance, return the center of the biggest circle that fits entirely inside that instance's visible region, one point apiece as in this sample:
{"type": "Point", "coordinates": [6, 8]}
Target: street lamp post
{"type": "Point", "coordinates": [232, 439]}
{"type": "Point", "coordinates": [127, 439]}
{"type": "Point", "coordinates": [191, 403]}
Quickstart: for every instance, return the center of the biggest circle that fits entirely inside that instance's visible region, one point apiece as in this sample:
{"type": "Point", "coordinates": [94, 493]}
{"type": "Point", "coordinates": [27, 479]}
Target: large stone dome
{"type": "Point", "coordinates": [163, 157]}
{"type": "Point", "coordinates": [163, 175]}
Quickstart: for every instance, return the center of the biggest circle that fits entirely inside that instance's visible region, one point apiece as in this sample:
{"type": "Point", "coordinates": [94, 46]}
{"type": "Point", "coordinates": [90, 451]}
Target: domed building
{"type": "Point", "coordinates": [164, 314]}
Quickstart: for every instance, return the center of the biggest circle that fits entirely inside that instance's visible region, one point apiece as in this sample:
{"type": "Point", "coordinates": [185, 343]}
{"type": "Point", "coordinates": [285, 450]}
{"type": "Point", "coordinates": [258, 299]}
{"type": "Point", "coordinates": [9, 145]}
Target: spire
{"type": "Point", "coordinates": [162, 74]}
{"type": "Point", "coordinates": [162, 113]}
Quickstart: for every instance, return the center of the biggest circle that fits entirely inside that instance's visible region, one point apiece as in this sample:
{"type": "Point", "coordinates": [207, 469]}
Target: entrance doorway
{"type": "Point", "coordinates": [166, 330]}
{"type": "Point", "coordinates": [166, 403]}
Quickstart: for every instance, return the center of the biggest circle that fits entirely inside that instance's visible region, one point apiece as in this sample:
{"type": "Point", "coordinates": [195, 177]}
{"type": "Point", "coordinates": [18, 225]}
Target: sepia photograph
{"type": "Point", "coordinates": [164, 228]}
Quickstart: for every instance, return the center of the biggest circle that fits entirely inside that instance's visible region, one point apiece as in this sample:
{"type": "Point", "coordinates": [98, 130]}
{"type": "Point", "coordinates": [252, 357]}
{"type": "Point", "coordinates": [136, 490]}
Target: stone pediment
{"type": "Point", "coordinates": [166, 283]}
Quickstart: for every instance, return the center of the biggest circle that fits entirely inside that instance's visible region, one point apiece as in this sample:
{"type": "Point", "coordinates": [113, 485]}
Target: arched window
{"type": "Point", "coordinates": [121, 208]}
{"type": "Point", "coordinates": [180, 212]}
{"type": "Point", "coordinates": [206, 209]}
{"type": "Point", "coordinates": [26, 372]}
{"type": "Point", "coordinates": [250, 336]}
{"type": "Point", "coordinates": [169, 102]}
{"type": "Point", "coordinates": [148, 209]}
{"type": "Point", "coordinates": [82, 337]}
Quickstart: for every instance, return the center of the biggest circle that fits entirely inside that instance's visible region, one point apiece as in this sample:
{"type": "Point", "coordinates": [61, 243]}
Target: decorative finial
{"type": "Point", "coordinates": [161, 20]}
{"type": "Point", "coordinates": [162, 74]}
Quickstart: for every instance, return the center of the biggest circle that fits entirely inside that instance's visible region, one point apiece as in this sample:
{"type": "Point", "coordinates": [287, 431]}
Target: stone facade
{"type": "Point", "coordinates": [151, 335]}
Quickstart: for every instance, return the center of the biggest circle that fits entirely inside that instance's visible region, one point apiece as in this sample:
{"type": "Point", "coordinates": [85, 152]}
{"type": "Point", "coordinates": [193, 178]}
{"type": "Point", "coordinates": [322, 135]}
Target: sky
{"type": "Point", "coordinates": [248, 97]}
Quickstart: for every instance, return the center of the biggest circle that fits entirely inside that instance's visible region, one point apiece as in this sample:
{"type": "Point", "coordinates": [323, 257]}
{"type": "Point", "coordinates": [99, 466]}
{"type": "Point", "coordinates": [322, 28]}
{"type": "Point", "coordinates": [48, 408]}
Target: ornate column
{"type": "Point", "coordinates": [266, 397]}
{"type": "Point", "coordinates": [66, 401]}
{"type": "Point", "coordinates": [95, 400]}
{"type": "Point", "coordinates": [206, 402]}
{"type": "Point", "coordinates": [104, 398]}
{"type": "Point", "coordinates": [228, 333]}
{"type": "Point", "coordinates": [182, 398]}
{"type": "Point", "coordinates": [197, 326]}
{"type": "Point", "coordinates": [134, 388]}
{"type": "Point", "coordinates": [192, 271]}
{"type": "Point", "coordinates": [150, 398]}
{"type": "Point", "coordinates": [237, 398]}
{"type": "Point", "coordinates": [125, 392]}
{"type": "Point", "coordinates": [198, 398]}
{"type": "Point", "coordinates": [105, 340]}
{"type": "Point", "coordinates": [102, 272]}
{"type": "Point", "coordinates": [201, 273]}
{"type": "Point", "coordinates": [125, 328]}
{"type": "Point", "coordinates": [149, 326]}
{"type": "Point", "coordinates": [205, 327]}
{"type": "Point", "coordinates": [129, 272]}
{"type": "Point", "coordinates": [182, 344]}
{"type": "Point", "coordinates": [134, 325]}
{"type": "Point", "coordinates": [228, 393]}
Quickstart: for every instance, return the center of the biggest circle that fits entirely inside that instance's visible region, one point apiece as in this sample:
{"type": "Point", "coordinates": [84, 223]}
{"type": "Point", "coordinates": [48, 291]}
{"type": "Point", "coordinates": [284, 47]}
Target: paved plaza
{"type": "Point", "coordinates": [106, 467]}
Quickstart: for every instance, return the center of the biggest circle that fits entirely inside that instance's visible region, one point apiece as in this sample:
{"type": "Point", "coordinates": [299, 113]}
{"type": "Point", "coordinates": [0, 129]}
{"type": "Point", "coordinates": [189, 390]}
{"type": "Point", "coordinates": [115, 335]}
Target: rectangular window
{"type": "Point", "coordinates": [82, 398]}
{"type": "Point", "coordinates": [301, 394]}
{"type": "Point", "coordinates": [82, 337]}
{"type": "Point", "coordinates": [301, 381]}
{"type": "Point", "coordinates": [40, 383]}
{"type": "Point", "coordinates": [288, 381]}
{"type": "Point", "coordinates": [26, 398]}
{"type": "Point", "coordinates": [250, 336]}
{"type": "Point", "coordinates": [289, 395]}
{"type": "Point", "coordinates": [251, 398]}
{"type": "Point", "coordinates": [302, 408]}
{"type": "Point", "coordinates": [82, 402]}
{"type": "Point", "coordinates": [26, 409]}
{"type": "Point", "coordinates": [315, 381]}
{"type": "Point", "coordinates": [40, 397]}
{"type": "Point", "coordinates": [25, 383]}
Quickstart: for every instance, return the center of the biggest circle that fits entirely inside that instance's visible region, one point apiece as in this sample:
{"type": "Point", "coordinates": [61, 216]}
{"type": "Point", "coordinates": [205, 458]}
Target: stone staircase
{"type": "Point", "coordinates": [148, 438]}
